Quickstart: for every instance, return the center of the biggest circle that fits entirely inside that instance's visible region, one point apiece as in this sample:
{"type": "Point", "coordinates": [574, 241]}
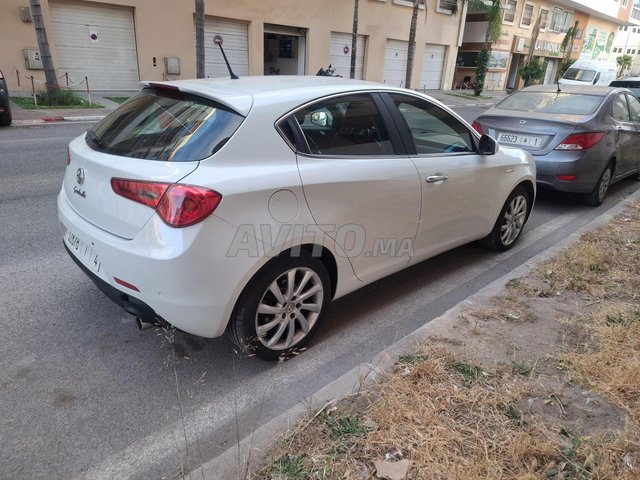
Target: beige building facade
{"type": "Point", "coordinates": [598, 21]}
{"type": "Point", "coordinates": [113, 44]}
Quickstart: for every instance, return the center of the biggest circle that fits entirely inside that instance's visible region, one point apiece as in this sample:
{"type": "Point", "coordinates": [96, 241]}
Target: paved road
{"type": "Point", "coordinates": [84, 394]}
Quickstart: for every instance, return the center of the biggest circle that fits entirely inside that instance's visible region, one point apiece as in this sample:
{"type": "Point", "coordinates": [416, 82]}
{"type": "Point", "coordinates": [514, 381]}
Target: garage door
{"type": "Point", "coordinates": [97, 42]}
{"type": "Point", "coordinates": [432, 66]}
{"type": "Point", "coordinates": [341, 54]}
{"type": "Point", "coordinates": [395, 62]}
{"type": "Point", "coordinates": [235, 43]}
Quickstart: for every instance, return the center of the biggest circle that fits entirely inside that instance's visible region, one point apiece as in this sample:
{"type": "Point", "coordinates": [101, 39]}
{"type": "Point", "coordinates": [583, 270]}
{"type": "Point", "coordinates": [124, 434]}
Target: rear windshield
{"type": "Point", "coordinates": [551, 102]}
{"type": "Point", "coordinates": [165, 125]}
{"type": "Point", "coordinates": [580, 75]}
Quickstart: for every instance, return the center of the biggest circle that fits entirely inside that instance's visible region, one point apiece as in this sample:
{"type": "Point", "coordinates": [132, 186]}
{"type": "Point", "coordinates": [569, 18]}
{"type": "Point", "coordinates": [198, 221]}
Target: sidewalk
{"type": "Point", "coordinates": [23, 116]}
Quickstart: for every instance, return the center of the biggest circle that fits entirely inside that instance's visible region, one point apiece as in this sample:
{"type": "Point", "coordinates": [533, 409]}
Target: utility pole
{"type": "Point", "coordinates": [43, 45]}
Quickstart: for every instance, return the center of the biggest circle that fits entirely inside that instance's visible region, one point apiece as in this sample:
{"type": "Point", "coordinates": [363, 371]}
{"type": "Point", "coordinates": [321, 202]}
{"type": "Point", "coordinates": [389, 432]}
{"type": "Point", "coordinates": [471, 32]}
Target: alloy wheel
{"type": "Point", "coordinates": [289, 308]}
{"type": "Point", "coordinates": [605, 181]}
{"type": "Point", "coordinates": [513, 220]}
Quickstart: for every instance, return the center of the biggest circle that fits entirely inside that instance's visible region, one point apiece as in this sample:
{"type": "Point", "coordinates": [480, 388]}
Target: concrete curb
{"type": "Point", "coordinates": [58, 119]}
{"type": "Point", "coordinates": [232, 464]}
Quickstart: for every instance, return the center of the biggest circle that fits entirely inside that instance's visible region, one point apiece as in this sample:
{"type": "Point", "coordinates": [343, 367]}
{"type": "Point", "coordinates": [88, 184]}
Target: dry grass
{"type": "Point", "coordinates": [453, 419]}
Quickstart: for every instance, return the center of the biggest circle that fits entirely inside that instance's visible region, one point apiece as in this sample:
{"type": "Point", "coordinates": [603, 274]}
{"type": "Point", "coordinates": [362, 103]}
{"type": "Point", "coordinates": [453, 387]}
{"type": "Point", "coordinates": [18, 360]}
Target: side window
{"type": "Point", "coordinates": [432, 128]}
{"type": "Point", "coordinates": [347, 125]}
{"type": "Point", "coordinates": [619, 108]}
{"type": "Point", "coordinates": [634, 108]}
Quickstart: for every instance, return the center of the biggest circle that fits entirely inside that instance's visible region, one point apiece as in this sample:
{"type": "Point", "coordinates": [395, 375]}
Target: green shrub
{"type": "Point", "coordinates": [61, 97]}
{"type": "Point", "coordinates": [532, 72]}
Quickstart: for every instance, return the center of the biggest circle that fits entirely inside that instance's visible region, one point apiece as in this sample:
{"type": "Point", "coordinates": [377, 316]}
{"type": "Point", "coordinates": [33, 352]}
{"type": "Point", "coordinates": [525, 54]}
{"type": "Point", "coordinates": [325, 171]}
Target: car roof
{"type": "Point", "coordinates": [596, 90]}
{"type": "Point", "coordinates": [627, 79]}
{"type": "Point", "coordinates": [243, 93]}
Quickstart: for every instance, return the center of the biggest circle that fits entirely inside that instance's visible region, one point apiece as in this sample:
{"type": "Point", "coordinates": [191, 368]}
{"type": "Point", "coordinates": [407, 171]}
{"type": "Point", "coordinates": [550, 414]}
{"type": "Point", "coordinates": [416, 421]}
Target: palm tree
{"type": "Point", "coordinates": [354, 39]}
{"type": "Point", "coordinates": [624, 62]}
{"type": "Point", "coordinates": [199, 38]}
{"type": "Point", "coordinates": [412, 42]}
{"type": "Point", "coordinates": [43, 45]}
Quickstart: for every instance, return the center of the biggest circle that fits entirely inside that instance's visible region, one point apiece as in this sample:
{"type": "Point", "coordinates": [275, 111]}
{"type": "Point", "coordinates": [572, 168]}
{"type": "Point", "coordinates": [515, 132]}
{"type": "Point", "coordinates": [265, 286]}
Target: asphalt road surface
{"type": "Point", "coordinates": [84, 394]}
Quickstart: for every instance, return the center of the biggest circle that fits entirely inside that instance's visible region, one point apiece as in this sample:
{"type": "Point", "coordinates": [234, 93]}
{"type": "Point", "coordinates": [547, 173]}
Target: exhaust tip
{"type": "Point", "coordinates": [142, 325]}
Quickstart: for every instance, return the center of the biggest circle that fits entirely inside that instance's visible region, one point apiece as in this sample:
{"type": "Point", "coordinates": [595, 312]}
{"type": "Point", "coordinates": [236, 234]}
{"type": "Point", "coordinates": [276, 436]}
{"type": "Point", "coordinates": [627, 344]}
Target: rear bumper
{"type": "Point", "coordinates": [130, 304]}
{"type": "Point", "coordinates": [587, 166]}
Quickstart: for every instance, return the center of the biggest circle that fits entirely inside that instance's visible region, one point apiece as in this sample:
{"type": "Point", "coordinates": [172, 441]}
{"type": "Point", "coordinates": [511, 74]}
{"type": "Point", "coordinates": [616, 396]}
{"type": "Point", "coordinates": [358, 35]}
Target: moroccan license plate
{"type": "Point", "coordinates": [522, 140]}
{"type": "Point", "coordinates": [87, 255]}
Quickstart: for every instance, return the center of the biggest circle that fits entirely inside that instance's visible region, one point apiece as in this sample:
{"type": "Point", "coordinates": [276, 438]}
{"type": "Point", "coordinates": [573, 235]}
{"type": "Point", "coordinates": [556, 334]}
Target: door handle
{"type": "Point", "coordinates": [438, 177]}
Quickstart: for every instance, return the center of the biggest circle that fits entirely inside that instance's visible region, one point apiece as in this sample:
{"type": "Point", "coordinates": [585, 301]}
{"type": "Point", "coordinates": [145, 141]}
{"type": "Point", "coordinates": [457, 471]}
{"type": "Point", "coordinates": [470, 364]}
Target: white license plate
{"type": "Point", "coordinates": [517, 139]}
{"type": "Point", "coordinates": [84, 252]}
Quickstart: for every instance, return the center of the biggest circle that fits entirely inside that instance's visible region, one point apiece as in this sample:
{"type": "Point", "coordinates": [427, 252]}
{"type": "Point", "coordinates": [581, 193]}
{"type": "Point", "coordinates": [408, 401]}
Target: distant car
{"type": "Point", "coordinates": [5, 108]}
{"type": "Point", "coordinates": [589, 72]}
{"type": "Point", "coordinates": [632, 83]}
{"type": "Point", "coordinates": [582, 138]}
{"type": "Point", "coordinates": [246, 205]}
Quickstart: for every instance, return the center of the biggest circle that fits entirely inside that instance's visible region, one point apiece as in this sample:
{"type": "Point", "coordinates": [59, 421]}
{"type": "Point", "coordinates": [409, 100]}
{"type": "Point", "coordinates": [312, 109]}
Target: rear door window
{"type": "Point", "coordinates": [619, 108]}
{"type": "Point", "coordinates": [165, 125]}
{"type": "Point", "coordinates": [347, 125]}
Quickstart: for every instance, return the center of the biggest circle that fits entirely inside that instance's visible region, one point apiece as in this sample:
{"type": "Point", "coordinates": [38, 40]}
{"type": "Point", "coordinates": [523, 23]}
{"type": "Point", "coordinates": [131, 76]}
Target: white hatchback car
{"type": "Point", "coordinates": [246, 205]}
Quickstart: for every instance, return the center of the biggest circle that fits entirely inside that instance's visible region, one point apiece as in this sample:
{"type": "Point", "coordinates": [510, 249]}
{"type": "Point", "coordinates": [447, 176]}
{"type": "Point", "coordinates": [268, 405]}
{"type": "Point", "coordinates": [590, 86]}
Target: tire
{"type": "Point", "coordinates": [510, 222]}
{"type": "Point", "coordinates": [5, 118]}
{"type": "Point", "coordinates": [284, 325]}
{"type": "Point", "coordinates": [596, 196]}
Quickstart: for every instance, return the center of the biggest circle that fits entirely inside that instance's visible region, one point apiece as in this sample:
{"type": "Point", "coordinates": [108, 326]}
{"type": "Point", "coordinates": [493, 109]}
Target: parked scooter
{"type": "Point", "coordinates": [328, 72]}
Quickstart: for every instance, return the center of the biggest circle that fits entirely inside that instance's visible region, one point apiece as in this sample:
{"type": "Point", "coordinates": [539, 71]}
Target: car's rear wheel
{"type": "Point", "coordinates": [510, 222]}
{"type": "Point", "coordinates": [281, 307]}
{"type": "Point", "coordinates": [596, 196]}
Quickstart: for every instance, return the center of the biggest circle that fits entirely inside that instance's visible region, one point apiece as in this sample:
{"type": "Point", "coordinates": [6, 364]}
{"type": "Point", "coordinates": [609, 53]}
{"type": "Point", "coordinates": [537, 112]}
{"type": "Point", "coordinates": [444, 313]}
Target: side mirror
{"type": "Point", "coordinates": [487, 145]}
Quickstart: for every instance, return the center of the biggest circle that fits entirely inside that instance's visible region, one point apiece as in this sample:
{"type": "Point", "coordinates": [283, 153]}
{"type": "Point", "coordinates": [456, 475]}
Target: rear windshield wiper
{"type": "Point", "coordinates": [93, 136]}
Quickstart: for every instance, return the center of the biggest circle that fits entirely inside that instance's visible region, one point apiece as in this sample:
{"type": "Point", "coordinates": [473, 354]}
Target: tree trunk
{"type": "Point", "coordinates": [199, 38]}
{"type": "Point", "coordinates": [43, 46]}
{"type": "Point", "coordinates": [412, 43]}
{"type": "Point", "coordinates": [354, 39]}
{"type": "Point", "coordinates": [534, 39]}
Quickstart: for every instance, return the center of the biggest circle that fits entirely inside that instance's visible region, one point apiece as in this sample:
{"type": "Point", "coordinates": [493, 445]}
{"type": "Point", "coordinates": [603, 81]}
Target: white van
{"type": "Point", "coordinates": [590, 72]}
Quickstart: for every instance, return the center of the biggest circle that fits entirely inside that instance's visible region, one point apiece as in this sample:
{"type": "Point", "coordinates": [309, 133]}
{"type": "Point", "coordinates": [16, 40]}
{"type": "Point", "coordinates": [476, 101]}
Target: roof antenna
{"type": "Point", "coordinates": [217, 39]}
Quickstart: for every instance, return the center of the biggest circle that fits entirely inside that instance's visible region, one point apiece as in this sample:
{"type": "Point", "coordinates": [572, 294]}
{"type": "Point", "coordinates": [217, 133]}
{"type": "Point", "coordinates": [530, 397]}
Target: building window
{"type": "Point", "coordinates": [561, 20]}
{"type": "Point", "coordinates": [527, 15]}
{"type": "Point", "coordinates": [408, 3]}
{"type": "Point", "coordinates": [635, 13]}
{"type": "Point", "coordinates": [447, 6]}
{"type": "Point", "coordinates": [544, 18]}
{"type": "Point", "coordinates": [510, 11]}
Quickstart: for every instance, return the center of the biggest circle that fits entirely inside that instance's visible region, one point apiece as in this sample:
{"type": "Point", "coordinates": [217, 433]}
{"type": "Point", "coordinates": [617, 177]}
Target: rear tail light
{"type": "Point", "coordinates": [476, 126]}
{"type": "Point", "coordinates": [178, 205]}
{"type": "Point", "coordinates": [580, 141]}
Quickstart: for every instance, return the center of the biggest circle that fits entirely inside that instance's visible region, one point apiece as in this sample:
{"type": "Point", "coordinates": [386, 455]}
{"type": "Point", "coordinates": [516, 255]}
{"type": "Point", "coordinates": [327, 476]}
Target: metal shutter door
{"type": "Point", "coordinates": [342, 61]}
{"type": "Point", "coordinates": [395, 62]}
{"type": "Point", "coordinates": [110, 61]}
{"type": "Point", "coordinates": [235, 43]}
{"type": "Point", "coordinates": [432, 66]}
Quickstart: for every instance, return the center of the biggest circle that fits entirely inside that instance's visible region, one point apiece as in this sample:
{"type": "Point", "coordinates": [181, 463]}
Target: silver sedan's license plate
{"type": "Point", "coordinates": [84, 252]}
{"type": "Point", "coordinates": [517, 139]}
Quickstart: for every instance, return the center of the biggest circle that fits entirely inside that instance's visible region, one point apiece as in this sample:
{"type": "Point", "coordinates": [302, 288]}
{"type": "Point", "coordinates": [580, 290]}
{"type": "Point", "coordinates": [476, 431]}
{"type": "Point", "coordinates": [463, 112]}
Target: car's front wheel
{"type": "Point", "coordinates": [596, 196]}
{"type": "Point", "coordinates": [510, 222]}
{"type": "Point", "coordinates": [281, 307]}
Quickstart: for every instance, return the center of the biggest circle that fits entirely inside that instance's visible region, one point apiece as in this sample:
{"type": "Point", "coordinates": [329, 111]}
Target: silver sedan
{"type": "Point", "coordinates": [582, 138]}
